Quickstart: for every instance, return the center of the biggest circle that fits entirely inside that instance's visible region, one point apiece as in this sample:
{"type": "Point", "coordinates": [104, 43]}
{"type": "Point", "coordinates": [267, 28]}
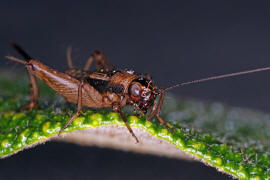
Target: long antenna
{"type": "Point", "coordinates": [217, 77]}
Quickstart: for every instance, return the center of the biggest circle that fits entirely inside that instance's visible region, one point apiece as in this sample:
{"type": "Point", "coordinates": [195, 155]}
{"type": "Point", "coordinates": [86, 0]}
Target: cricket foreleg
{"type": "Point", "coordinates": [136, 109]}
{"type": "Point", "coordinates": [152, 113]}
{"type": "Point", "coordinates": [158, 109]}
{"type": "Point", "coordinates": [79, 108]}
{"type": "Point", "coordinates": [117, 108]}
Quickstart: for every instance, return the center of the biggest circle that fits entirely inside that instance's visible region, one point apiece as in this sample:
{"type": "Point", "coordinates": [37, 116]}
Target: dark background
{"type": "Point", "coordinates": [174, 42]}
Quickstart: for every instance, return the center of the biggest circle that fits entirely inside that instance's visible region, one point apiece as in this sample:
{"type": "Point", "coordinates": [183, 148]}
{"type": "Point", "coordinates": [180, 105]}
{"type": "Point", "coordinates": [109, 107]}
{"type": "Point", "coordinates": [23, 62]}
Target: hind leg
{"type": "Point", "coordinates": [69, 60]}
{"type": "Point", "coordinates": [34, 94]}
{"type": "Point", "coordinates": [102, 63]}
{"type": "Point", "coordinates": [88, 63]}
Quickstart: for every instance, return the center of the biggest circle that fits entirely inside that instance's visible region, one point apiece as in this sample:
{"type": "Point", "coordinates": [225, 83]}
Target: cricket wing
{"type": "Point", "coordinates": [66, 86]}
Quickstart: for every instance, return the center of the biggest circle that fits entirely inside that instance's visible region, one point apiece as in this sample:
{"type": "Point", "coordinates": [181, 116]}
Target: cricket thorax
{"type": "Point", "coordinates": [103, 86]}
{"type": "Point", "coordinates": [115, 82]}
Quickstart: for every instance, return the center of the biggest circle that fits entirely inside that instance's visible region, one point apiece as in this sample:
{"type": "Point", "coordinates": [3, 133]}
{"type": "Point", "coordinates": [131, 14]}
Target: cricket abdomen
{"type": "Point", "coordinates": [66, 86]}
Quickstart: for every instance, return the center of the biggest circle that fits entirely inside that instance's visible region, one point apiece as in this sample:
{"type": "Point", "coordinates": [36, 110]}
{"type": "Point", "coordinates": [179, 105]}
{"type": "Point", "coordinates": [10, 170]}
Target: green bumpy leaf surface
{"type": "Point", "coordinates": [233, 140]}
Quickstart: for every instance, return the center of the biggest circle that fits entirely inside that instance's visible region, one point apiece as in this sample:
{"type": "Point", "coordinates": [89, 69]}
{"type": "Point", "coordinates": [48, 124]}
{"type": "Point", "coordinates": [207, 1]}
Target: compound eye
{"type": "Point", "coordinates": [135, 90]}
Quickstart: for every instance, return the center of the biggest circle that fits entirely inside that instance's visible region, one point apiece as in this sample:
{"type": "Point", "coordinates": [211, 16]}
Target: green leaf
{"type": "Point", "coordinates": [234, 140]}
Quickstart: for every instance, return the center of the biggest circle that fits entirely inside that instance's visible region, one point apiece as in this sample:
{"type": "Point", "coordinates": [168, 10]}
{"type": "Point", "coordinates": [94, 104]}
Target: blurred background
{"type": "Point", "coordinates": [174, 41]}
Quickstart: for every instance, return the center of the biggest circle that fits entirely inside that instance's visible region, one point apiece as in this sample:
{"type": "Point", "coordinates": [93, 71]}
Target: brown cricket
{"type": "Point", "coordinates": [105, 87]}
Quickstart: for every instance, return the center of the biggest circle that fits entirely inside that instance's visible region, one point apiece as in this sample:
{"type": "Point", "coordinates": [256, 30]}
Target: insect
{"type": "Point", "coordinates": [104, 87]}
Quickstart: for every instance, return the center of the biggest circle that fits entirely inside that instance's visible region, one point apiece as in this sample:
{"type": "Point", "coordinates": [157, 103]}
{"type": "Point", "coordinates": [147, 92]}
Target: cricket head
{"type": "Point", "coordinates": [142, 92]}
